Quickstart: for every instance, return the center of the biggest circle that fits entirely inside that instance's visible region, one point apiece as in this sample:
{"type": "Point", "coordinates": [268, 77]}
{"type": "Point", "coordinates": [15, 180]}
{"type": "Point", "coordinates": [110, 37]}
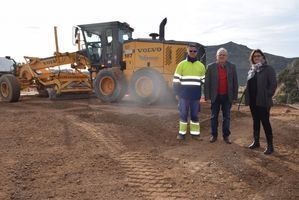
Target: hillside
{"type": "Point", "coordinates": [288, 84]}
{"type": "Point", "coordinates": [239, 54]}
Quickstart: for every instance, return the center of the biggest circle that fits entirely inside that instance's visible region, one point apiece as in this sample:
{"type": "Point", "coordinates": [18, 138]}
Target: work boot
{"type": "Point", "coordinates": [195, 137]}
{"type": "Point", "coordinates": [227, 140]}
{"type": "Point", "coordinates": [213, 139]}
{"type": "Point", "coordinates": [269, 150]}
{"type": "Point", "coordinates": [180, 137]}
{"type": "Point", "coordinates": [256, 142]}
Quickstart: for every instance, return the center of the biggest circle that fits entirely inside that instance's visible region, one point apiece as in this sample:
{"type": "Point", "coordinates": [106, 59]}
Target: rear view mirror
{"type": "Point", "coordinates": [76, 31]}
{"type": "Point", "coordinates": [75, 35]}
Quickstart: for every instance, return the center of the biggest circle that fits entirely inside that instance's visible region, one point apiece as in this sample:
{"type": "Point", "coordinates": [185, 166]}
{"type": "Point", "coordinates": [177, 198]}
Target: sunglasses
{"type": "Point", "coordinates": [191, 51]}
{"type": "Point", "coordinates": [257, 56]}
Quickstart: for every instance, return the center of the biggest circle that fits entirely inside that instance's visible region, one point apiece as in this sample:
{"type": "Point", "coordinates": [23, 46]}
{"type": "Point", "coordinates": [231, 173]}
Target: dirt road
{"type": "Point", "coordinates": [84, 149]}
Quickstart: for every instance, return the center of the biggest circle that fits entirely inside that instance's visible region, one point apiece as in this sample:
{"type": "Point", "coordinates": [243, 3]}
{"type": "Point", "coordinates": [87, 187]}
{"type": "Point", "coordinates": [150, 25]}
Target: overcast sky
{"type": "Point", "coordinates": [272, 25]}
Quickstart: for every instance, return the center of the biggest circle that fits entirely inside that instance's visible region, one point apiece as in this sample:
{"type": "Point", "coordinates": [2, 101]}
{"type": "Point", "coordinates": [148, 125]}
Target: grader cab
{"type": "Point", "coordinates": [102, 42]}
{"type": "Point", "coordinates": [117, 64]}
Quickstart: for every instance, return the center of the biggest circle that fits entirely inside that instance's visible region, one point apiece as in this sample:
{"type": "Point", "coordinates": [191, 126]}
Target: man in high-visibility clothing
{"type": "Point", "coordinates": [188, 78]}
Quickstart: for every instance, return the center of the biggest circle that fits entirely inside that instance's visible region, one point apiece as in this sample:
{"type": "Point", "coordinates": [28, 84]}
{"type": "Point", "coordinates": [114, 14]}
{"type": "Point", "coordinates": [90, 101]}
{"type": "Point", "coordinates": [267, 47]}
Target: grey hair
{"type": "Point", "coordinates": [221, 50]}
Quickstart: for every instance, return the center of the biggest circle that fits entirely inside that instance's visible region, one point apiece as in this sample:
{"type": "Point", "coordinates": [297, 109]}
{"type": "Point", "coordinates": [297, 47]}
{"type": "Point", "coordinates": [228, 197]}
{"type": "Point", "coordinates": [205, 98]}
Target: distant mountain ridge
{"type": "Point", "coordinates": [239, 55]}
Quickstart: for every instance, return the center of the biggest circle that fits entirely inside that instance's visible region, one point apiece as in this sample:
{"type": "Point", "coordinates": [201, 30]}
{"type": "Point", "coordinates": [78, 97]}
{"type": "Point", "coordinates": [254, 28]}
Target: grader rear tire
{"type": "Point", "coordinates": [147, 86]}
{"type": "Point", "coordinates": [110, 85]}
{"type": "Point", "coordinates": [9, 88]}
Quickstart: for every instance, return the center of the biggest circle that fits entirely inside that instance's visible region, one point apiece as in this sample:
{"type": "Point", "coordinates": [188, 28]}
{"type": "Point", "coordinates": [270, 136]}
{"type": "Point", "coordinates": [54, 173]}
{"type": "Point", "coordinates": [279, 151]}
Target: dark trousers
{"type": "Point", "coordinates": [185, 105]}
{"type": "Point", "coordinates": [223, 103]}
{"type": "Point", "coordinates": [261, 114]}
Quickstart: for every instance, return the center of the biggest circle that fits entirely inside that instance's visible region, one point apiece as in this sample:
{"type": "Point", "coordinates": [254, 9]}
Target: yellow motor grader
{"type": "Point", "coordinates": [117, 65]}
{"type": "Point", "coordinates": [141, 67]}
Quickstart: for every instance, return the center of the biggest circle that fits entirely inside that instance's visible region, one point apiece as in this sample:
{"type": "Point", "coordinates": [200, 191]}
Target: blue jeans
{"type": "Point", "coordinates": [223, 102]}
{"type": "Point", "coordinates": [185, 105]}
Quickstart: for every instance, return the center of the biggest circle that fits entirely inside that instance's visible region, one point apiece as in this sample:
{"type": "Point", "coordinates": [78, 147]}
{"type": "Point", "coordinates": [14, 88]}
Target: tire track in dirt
{"type": "Point", "coordinates": [141, 173]}
{"type": "Point", "coordinates": [110, 141]}
{"type": "Point", "coordinates": [147, 179]}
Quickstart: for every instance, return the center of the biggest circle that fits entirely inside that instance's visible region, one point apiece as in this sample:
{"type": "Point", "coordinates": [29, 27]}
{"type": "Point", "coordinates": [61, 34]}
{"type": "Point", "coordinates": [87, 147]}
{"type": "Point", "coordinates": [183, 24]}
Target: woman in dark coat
{"type": "Point", "coordinates": [261, 86]}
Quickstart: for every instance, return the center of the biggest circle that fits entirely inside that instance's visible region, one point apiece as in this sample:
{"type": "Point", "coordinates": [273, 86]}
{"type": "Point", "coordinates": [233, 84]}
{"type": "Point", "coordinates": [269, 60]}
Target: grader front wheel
{"type": "Point", "coordinates": [9, 88]}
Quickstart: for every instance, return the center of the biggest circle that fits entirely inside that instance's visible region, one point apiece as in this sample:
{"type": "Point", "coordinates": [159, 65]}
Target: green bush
{"type": "Point", "coordinates": [287, 79]}
{"type": "Point", "coordinates": [293, 96]}
{"type": "Point", "coordinates": [281, 98]}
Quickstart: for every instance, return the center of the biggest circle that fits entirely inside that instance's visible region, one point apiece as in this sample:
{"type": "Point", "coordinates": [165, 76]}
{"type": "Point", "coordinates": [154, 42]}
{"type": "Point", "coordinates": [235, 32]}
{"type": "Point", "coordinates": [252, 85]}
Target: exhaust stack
{"type": "Point", "coordinates": [162, 29]}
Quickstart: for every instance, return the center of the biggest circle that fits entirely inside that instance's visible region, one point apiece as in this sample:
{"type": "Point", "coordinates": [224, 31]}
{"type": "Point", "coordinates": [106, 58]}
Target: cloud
{"type": "Point", "coordinates": [268, 24]}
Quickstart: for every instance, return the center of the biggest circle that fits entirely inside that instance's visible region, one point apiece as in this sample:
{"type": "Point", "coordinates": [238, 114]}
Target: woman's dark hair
{"type": "Point", "coordinates": [257, 51]}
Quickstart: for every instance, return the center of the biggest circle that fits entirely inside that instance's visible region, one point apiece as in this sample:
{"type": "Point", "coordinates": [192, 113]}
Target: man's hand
{"type": "Point", "coordinates": [177, 97]}
{"type": "Point", "coordinates": [208, 101]}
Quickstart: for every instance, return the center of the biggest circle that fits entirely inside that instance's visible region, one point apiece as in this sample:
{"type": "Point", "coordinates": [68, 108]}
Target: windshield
{"type": "Point", "coordinates": [92, 37]}
{"type": "Point", "coordinates": [93, 46]}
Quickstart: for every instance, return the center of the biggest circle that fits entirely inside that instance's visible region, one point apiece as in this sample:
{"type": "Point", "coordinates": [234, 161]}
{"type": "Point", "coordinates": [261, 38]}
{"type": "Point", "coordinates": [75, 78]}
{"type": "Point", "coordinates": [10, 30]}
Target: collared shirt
{"type": "Point", "coordinates": [222, 80]}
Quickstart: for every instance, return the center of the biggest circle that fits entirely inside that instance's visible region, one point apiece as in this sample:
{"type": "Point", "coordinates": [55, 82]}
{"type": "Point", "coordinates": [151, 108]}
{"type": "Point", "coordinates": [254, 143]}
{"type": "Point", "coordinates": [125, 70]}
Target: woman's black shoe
{"type": "Point", "coordinates": [269, 151]}
{"type": "Point", "coordinates": [254, 145]}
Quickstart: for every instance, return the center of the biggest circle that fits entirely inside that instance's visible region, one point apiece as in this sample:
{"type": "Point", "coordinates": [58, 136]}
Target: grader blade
{"type": "Point", "coordinates": [69, 96]}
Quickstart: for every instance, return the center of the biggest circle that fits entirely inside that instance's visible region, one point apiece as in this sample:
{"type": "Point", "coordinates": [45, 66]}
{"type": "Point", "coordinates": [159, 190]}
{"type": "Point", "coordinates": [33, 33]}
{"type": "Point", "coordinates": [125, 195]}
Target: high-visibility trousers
{"type": "Point", "coordinates": [185, 106]}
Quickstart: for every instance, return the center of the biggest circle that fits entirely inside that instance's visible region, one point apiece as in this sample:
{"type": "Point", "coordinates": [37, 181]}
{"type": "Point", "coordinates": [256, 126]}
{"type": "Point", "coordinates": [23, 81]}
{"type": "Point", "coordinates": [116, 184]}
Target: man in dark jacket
{"type": "Point", "coordinates": [221, 87]}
